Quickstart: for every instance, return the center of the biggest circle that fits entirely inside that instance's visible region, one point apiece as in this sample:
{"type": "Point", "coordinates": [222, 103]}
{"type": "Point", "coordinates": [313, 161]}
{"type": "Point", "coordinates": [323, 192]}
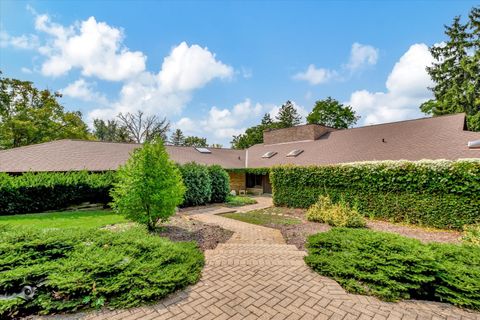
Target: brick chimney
{"type": "Point", "coordinates": [298, 133]}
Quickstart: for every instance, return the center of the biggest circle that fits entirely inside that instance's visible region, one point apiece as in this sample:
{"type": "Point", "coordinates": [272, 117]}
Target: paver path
{"type": "Point", "coordinates": [255, 275]}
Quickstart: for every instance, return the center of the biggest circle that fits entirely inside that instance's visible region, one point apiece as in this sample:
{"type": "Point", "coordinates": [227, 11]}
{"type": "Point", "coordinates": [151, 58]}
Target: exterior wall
{"type": "Point", "coordinates": [298, 133]}
{"type": "Point", "coordinates": [237, 181]}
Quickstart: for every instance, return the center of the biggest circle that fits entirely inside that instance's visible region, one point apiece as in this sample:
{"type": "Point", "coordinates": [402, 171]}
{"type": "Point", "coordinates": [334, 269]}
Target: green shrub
{"type": "Point", "coordinates": [37, 192]}
{"type": "Point", "coordinates": [238, 201]}
{"type": "Point", "coordinates": [149, 186]}
{"type": "Point", "coordinates": [336, 215]}
{"type": "Point", "coordinates": [471, 234]}
{"type": "Point", "coordinates": [197, 181]}
{"type": "Point", "coordinates": [220, 183]}
{"type": "Point", "coordinates": [443, 194]}
{"type": "Point", "coordinates": [393, 267]}
{"type": "Point", "coordinates": [75, 269]}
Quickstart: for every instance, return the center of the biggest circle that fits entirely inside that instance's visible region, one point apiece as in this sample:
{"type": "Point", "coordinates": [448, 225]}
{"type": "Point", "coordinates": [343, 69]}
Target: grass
{"type": "Point", "coordinates": [263, 217]}
{"type": "Point", "coordinates": [66, 219]}
{"type": "Point", "coordinates": [238, 201]}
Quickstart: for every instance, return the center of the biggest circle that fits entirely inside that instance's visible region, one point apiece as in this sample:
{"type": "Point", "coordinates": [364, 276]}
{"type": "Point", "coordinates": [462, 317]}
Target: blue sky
{"type": "Point", "coordinates": [214, 68]}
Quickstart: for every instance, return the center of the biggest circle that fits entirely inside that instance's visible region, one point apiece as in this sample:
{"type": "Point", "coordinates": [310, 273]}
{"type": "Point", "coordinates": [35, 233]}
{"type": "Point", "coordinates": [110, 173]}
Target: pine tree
{"type": "Point", "coordinates": [288, 116]}
{"type": "Point", "coordinates": [456, 71]}
{"type": "Point", "coordinates": [177, 138]}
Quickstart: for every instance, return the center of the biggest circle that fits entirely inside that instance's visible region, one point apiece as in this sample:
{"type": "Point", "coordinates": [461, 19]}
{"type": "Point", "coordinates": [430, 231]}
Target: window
{"type": "Point", "coordinates": [203, 150]}
{"type": "Point", "coordinates": [294, 153]}
{"type": "Point", "coordinates": [269, 154]}
{"type": "Point", "coordinates": [253, 180]}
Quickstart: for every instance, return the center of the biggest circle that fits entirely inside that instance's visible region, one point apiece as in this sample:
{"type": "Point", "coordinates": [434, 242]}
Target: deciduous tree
{"type": "Point", "coordinates": [143, 128]}
{"type": "Point", "coordinates": [149, 186]}
{"type": "Point", "coordinates": [29, 115]}
{"type": "Point", "coordinates": [331, 113]}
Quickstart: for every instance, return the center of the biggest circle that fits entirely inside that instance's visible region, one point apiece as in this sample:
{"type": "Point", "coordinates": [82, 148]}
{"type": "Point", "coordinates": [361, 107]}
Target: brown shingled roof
{"type": "Point", "coordinates": [73, 155]}
{"type": "Point", "coordinates": [428, 138]}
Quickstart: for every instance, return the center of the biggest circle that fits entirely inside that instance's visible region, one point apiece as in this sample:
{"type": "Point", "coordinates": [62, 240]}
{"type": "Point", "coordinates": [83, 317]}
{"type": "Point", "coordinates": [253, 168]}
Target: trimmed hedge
{"type": "Point", "coordinates": [443, 194]}
{"type": "Point", "coordinates": [37, 192]}
{"type": "Point", "coordinates": [74, 269]}
{"type": "Point", "coordinates": [394, 267]}
{"type": "Point", "coordinates": [196, 179]}
{"type": "Point", "coordinates": [220, 183]}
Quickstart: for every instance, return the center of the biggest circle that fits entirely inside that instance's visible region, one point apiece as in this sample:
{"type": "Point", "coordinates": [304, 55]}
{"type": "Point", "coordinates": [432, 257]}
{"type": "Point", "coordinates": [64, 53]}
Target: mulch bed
{"type": "Point", "coordinates": [296, 234]}
{"type": "Point", "coordinates": [182, 228]}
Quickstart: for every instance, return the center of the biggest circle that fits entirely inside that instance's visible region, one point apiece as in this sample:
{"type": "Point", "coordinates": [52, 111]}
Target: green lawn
{"type": "Point", "coordinates": [260, 217]}
{"type": "Point", "coordinates": [238, 201]}
{"type": "Point", "coordinates": [66, 219]}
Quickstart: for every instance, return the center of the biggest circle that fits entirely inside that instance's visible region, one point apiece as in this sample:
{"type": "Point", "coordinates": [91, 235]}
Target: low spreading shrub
{"type": "Point", "coordinates": [196, 179]}
{"type": "Point", "coordinates": [393, 267]}
{"type": "Point", "coordinates": [336, 215]}
{"type": "Point", "coordinates": [220, 183]}
{"type": "Point", "coordinates": [75, 269]}
{"type": "Point", "coordinates": [37, 192]}
{"type": "Point", "coordinates": [442, 194]}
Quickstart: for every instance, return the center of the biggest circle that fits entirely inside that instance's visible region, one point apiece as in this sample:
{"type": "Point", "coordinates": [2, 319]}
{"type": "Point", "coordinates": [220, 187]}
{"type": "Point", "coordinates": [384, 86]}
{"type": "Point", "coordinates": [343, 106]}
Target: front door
{"type": "Point", "coordinates": [267, 186]}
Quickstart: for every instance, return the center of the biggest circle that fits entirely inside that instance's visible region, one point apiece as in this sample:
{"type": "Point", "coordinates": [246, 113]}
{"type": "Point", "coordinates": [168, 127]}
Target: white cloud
{"type": "Point", "coordinates": [20, 42]}
{"type": "Point", "coordinates": [407, 87]}
{"type": "Point", "coordinates": [26, 70]}
{"type": "Point", "coordinates": [184, 70]}
{"type": "Point", "coordinates": [95, 48]}
{"type": "Point", "coordinates": [84, 90]}
{"type": "Point", "coordinates": [362, 55]}
{"type": "Point", "coordinates": [315, 76]}
{"type": "Point", "coordinates": [191, 67]}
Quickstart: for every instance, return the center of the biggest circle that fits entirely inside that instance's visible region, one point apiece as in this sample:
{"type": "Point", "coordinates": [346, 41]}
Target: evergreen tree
{"type": "Point", "coordinates": [177, 138]}
{"type": "Point", "coordinates": [331, 113]}
{"type": "Point", "coordinates": [456, 71]}
{"type": "Point", "coordinates": [288, 116]}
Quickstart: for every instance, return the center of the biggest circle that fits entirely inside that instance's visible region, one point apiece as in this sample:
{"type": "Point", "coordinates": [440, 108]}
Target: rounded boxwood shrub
{"type": "Point", "coordinates": [196, 179]}
{"type": "Point", "coordinates": [75, 269]}
{"type": "Point", "coordinates": [220, 183]}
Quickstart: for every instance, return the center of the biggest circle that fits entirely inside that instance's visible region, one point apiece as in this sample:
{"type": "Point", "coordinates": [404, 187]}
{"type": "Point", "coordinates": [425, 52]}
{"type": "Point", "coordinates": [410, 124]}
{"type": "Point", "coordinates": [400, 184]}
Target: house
{"type": "Point", "coordinates": [428, 138]}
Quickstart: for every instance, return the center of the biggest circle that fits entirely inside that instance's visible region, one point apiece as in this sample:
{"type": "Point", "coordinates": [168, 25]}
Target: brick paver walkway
{"type": "Point", "coordinates": [255, 275]}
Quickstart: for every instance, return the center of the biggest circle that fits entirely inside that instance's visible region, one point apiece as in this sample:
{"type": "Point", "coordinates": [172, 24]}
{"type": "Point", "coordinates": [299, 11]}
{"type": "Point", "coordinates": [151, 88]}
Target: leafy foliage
{"type": "Point", "coordinates": [74, 269]}
{"type": "Point", "coordinates": [29, 115]}
{"type": "Point", "coordinates": [196, 178]}
{"type": "Point", "coordinates": [194, 141]}
{"type": "Point", "coordinates": [149, 186]}
{"type": "Point", "coordinates": [443, 194]}
{"type": "Point", "coordinates": [336, 215]}
{"type": "Point", "coordinates": [37, 192]}
{"type": "Point", "coordinates": [471, 234]}
{"type": "Point", "coordinates": [393, 267]}
{"type": "Point", "coordinates": [220, 183]}
{"type": "Point", "coordinates": [110, 131]}
{"type": "Point", "coordinates": [456, 72]}
{"type": "Point", "coordinates": [331, 113]}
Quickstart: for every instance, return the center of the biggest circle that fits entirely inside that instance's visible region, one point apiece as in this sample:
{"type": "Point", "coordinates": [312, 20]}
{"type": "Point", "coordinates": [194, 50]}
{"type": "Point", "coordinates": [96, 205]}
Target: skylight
{"type": "Point", "coordinates": [294, 153]}
{"type": "Point", "coordinates": [203, 150]}
{"type": "Point", "coordinates": [269, 154]}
